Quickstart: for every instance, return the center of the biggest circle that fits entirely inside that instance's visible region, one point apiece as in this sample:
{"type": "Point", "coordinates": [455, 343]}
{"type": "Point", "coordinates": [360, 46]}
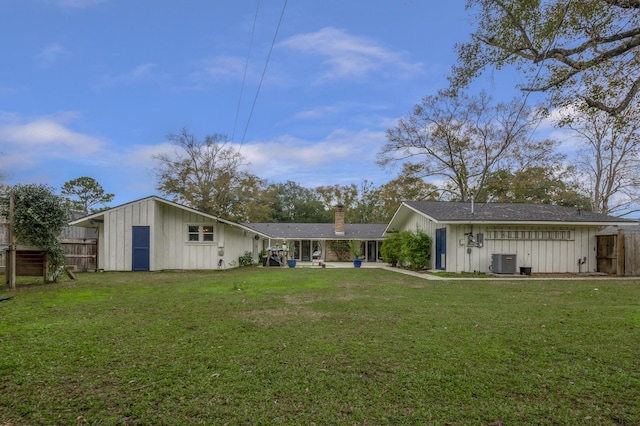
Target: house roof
{"type": "Point", "coordinates": [320, 231]}
{"type": "Point", "coordinates": [503, 213]}
{"type": "Point", "coordinates": [92, 220]}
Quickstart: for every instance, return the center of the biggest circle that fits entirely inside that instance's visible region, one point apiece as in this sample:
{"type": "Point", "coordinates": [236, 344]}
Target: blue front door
{"type": "Point", "coordinates": [140, 253]}
{"type": "Point", "coordinates": [441, 248]}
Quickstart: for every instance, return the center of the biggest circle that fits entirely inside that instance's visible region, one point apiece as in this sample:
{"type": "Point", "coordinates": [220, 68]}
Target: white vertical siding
{"type": "Point", "coordinates": [174, 249]}
{"type": "Point", "coordinates": [168, 238]}
{"type": "Point", "coordinates": [116, 244]}
{"type": "Point", "coordinates": [543, 256]}
{"type": "Point", "coordinates": [101, 247]}
{"type": "Point", "coordinates": [237, 242]}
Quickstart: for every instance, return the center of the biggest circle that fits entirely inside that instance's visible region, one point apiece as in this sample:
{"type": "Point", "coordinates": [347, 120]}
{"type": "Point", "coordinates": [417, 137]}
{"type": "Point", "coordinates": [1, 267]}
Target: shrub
{"type": "Point", "coordinates": [406, 248]}
{"type": "Point", "coordinates": [39, 218]}
{"type": "Point", "coordinates": [340, 248]}
{"type": "Point", "coordinates": [417, 250]}
{"type": "Point", "coordinates": [391, 249]}
{"type": "Point", "coordinates": [246, 259]}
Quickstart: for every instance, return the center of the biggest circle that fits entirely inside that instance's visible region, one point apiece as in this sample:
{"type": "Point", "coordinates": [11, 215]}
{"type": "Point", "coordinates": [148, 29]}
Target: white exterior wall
{"type": "Point", "coordinates": [173, 248]}
{"type": "Point", "coordinates": [543, 256]}
{"type": "Point", "coordinates": [115, 247]}
{"type": "Point", "coordinates": [236, 242]}
{"type": "Point", "coordinates": [169, 245]}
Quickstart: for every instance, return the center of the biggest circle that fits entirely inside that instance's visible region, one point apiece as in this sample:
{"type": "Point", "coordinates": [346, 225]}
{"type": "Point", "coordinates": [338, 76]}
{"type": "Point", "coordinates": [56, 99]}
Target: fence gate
{"type": "Point", "coordinates": [606, 255]}
{"type": "Point", "coordinates": [81, 253]}
{"type": "Point", "coordinates": [632, 254]}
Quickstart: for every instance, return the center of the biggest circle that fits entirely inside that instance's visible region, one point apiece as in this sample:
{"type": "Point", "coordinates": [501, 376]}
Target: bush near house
{"type": "Point", "coordinates": [340, 248]}
{"type": "Point", "coordinates": [246, 259]}
{"type": "Point", "coordinates": [391, 250]}
{"type": "Point", "coordinates": [407, 249]}
{"type": "Point", "coordinates": [39, 218]}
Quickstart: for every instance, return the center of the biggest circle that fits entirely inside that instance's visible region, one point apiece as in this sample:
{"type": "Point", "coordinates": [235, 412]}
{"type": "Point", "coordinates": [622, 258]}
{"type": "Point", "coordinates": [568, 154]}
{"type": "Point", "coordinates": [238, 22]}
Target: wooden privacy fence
{"type": "Point", "coordinates": [619, 254]}
{"type": "Point", "coordinates": [81, 253]}
{"type": "Point", "coordinates": [632, 255]}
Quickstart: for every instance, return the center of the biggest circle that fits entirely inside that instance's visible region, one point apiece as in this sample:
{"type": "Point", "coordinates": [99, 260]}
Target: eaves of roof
{"type": "Point", "coordinates": [510, 213]}
{"type": "Point", "coordinates": [92, 220]}
{"type": "Point", "coordinates": [319, 231]}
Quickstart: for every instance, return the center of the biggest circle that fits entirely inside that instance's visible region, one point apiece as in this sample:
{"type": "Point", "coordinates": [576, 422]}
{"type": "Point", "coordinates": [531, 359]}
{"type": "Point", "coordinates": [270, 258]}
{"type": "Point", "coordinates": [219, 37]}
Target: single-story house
{"type": "Point", "coordinates": [503, 237]}
{"type": "Point", "coordinates": [153, 234]}
{"type": "Point", "coordinates": [322, 241]}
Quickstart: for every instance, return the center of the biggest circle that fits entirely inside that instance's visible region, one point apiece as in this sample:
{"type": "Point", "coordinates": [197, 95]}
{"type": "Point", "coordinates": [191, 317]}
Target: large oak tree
{"type": "Point", "coordinates": [207, 175]}
{"type": "Point", "coordinates": [293, 203]}
{"type": "Point", "coordinates": [587, 49]}
{"type": "Point", "coordinates": [458, 141]}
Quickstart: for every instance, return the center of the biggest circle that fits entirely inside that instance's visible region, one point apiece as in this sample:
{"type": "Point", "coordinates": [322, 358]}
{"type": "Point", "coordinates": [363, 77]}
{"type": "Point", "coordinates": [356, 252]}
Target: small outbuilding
{"type": "Point", "coordinates": [506, 238]}
{"type": "Point", "coordinates": [153, 234]}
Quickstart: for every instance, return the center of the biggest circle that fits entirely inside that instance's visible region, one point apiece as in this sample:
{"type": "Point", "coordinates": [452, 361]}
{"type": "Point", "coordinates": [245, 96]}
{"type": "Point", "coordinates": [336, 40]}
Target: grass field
{"type": "Point", "coordinates": [319, 346]}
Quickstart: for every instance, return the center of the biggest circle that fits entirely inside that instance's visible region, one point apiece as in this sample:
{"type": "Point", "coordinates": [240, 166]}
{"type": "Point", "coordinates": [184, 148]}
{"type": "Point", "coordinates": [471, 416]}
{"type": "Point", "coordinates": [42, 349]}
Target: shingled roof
{"type": "Point", "coordinates": [452, 212]}
{"type": "Point", "coordinates": [319, 231]}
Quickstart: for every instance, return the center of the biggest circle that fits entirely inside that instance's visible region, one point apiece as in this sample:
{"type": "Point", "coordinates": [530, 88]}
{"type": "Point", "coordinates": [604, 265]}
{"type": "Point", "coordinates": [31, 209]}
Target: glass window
{"type": "Point", "coordinates": [207, 233]}
{"type": "Point", "coordinates": [200, 233]}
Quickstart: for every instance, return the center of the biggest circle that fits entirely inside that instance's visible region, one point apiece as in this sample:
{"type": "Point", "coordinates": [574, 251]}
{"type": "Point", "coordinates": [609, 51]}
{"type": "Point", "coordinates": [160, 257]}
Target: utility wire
{"type": "Point", "coordinates": [264, 71]}
{"type": "Point", "coordinates": [246, 66]}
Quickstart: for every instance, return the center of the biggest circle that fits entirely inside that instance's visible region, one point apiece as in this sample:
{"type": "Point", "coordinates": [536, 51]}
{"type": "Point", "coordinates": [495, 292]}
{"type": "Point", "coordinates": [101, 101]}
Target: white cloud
{"type": "Point", "coordinates": [548, 128]}
{"type": "Point", "coordinates": [349, 57]}
{"type": "Point", "coordinates": [51, 54]}
{"type": "Point", "coordinates": [288, 156]}
{"type": "Point", "coordinates": [141, 156]}
{"type": "Point", "coordinates": [139, 73]}
{"type": "Point", "coordinates": [25, 143]}
{"type": "Point", "coordinates": [220, 69]}
{"type": "Point", "coordinates": [225, 67]}
{"type": "Point", "coordinates": [320, 112]}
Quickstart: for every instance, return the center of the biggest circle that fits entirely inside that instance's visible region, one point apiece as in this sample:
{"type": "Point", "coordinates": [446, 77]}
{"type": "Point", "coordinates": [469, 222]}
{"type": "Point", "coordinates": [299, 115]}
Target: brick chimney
{"type": "Point", "coordinates": [339, 221]}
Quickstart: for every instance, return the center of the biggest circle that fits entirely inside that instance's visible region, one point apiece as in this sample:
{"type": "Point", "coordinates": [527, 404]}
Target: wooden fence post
{"type": "Point", "coordinates": [620, 253]}
{"type": "Point", "coordinates": [10, 269]}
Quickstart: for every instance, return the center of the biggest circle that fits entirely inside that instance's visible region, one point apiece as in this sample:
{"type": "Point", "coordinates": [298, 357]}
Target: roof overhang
{"type": "Point", "coordinates": [96, 219]}
{"type": "Point", "coordinates": [405, 211]}
{"type": "Point", "coordinates": [530, 222]}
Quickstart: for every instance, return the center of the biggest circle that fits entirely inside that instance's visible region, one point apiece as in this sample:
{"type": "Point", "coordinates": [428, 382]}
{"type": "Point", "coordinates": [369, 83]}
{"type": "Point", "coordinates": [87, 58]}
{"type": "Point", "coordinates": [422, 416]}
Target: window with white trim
{"type": "Point", "coordinates": [200, 233]}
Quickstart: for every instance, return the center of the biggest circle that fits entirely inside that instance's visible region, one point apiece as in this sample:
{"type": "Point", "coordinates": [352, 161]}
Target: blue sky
{"type": "Point", "coordinates": [92, 87]}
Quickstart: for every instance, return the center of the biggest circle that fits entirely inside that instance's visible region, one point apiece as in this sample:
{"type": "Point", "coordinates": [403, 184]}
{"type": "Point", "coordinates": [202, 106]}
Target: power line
{"type": "Point", "coordinates": [246, 66]}
{"type": "Point", "coordinates": [264, 71]}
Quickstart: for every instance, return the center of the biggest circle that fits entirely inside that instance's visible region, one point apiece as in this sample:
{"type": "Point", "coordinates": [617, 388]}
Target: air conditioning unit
{"type": "Point", "coordinates": [503, 263]}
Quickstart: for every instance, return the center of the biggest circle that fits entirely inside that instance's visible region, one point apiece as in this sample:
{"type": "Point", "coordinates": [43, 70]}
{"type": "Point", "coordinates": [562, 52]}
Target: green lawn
{"type": "Point", "coordinates": [319, 346]}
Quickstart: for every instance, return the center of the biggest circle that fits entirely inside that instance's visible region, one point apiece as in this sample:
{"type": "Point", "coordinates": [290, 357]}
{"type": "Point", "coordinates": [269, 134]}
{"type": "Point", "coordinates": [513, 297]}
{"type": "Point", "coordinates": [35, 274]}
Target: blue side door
{"type": "Point", "coordinates": [140, 252]}
{"type": "Point", "coordinates": [441, 248]}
